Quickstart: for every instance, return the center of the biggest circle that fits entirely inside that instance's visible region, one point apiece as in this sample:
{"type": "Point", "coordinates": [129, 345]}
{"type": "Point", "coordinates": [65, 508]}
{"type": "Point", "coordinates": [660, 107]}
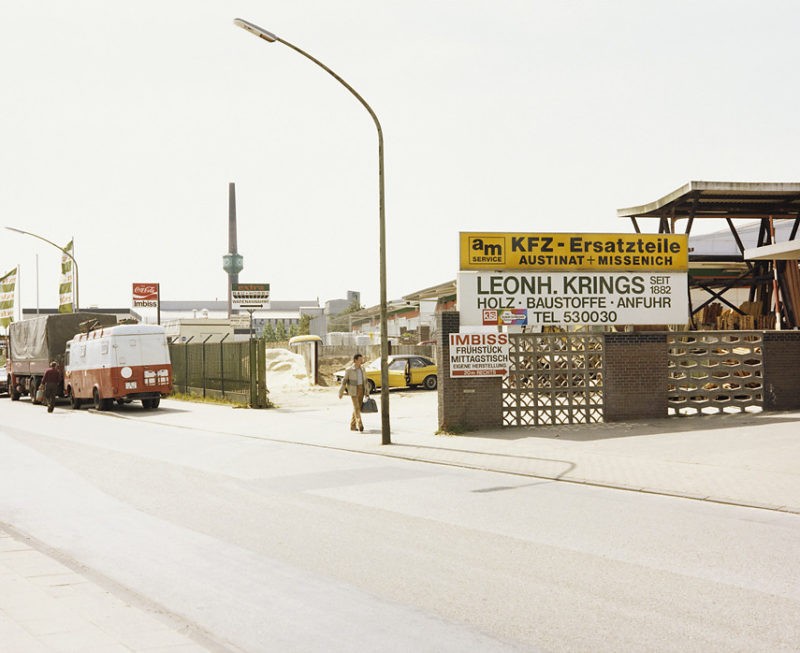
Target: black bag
{"type": "Point", "coordinates": [369, 406]}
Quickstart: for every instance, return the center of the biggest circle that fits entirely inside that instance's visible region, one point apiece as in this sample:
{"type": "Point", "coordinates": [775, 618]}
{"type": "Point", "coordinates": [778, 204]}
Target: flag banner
{"type": "Point", "coordinates": [8, 287]}
{"type": "Point", "coordinates": [66, 289]}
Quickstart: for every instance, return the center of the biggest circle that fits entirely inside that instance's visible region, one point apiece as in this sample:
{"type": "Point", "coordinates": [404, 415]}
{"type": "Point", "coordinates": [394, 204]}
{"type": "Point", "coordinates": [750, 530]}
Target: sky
{"type": "Point", "coordinates": [122, 124]}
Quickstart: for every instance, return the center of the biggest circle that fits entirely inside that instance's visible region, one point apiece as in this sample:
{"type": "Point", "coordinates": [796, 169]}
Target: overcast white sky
{"type": "Point", "coordinates": [121, 124]}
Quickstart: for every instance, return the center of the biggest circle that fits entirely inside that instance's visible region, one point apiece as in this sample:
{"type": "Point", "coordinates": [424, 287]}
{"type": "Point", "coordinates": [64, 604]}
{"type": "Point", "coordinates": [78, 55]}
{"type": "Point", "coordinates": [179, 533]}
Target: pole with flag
{"type": "Point", "coordinates": [8, 287]}
{"type": "Point", "coordinates": [66, 290]}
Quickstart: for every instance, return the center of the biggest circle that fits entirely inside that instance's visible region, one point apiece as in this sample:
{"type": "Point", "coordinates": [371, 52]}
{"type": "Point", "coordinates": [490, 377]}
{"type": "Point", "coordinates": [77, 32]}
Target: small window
{"type": "Point", "coordinates": [104, 347]}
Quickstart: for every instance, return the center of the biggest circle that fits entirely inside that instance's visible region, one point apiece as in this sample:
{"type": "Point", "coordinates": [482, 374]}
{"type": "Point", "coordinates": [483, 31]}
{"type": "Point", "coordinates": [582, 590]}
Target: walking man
{"type": "Point", "coordinates": [354, 383]}
{"type": "Point", "coordinates": [51, 380]}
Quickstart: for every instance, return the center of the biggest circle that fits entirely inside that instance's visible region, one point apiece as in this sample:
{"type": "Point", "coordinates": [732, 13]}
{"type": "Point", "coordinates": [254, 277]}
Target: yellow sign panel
{"type": "Point", "coordinates": [585, 251]}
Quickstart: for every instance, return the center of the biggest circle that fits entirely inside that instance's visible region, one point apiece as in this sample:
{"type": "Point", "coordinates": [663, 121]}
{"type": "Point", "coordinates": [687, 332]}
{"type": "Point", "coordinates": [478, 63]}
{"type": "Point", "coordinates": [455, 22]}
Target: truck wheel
{"type": "Point", "coordinates": [13, 392]}
{"type": "Point", "coordinates": [155, 402]}
{"type": "Point", "coordinates": [99, 403]}
{"type": "Point", "coordinates": [34, 390]}
{"type": "Point", "coordinates": [146, 404]}
{"type": "Point", "coordinates": [74, 402]}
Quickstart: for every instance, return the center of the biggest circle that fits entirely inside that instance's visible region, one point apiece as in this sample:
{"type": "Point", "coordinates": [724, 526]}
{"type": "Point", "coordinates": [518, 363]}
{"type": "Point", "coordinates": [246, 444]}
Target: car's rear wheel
{"type": "Point", "coordinates": [430, 382]}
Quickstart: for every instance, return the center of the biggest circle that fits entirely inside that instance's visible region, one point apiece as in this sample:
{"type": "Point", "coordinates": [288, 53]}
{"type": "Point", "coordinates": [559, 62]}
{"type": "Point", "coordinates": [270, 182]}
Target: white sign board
{"type": "Point", "coordinates": [563, 298]}
{"type": "Point", "coordinates": [478, 354]}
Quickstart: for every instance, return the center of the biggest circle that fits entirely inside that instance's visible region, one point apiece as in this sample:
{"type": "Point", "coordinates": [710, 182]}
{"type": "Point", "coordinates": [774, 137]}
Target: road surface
{"type": "Point", "coordinates": [258, 545]}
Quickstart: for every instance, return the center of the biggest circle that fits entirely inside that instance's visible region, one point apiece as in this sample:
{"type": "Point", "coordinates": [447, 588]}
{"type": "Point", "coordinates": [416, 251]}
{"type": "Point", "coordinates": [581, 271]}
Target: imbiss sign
{"type": "Point", "coordinates": [478, 354]}
{"type": "Point", "coordinates": [145, 295]}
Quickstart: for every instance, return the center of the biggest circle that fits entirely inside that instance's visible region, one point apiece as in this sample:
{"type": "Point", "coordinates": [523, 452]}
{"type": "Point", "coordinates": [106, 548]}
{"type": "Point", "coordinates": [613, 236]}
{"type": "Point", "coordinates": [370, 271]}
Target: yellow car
{"type": "Point", "coordinates": [405, 371]}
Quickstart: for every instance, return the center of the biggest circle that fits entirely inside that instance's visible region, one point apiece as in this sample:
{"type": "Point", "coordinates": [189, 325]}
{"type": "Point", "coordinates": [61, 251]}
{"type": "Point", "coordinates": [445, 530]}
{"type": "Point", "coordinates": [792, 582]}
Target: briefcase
{"type": "Point", "coordinates": [369, 406]}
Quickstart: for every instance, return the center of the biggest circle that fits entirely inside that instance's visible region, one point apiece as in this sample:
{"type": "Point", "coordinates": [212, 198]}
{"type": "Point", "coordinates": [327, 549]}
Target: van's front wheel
{"type": "Point", "coordinates": [74, 402]}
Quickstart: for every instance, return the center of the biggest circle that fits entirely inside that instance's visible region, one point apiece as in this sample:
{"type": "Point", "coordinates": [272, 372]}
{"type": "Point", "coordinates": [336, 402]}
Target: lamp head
{"type": "Point", "coordinates": [255, 29]}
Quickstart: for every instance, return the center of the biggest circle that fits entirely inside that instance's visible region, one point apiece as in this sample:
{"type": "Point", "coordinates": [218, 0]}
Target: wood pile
{"type": "Point", "coordinates": [791, 282]}
{"type": "Point", "coordinates": [730, 320]}
{"type": "Point", "coordinates": [710, 314]}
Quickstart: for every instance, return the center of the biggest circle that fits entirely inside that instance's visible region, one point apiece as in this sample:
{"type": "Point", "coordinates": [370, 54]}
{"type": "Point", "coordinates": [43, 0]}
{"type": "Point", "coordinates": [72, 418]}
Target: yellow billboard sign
{"type": "Point", "coordinates": [573, 251]}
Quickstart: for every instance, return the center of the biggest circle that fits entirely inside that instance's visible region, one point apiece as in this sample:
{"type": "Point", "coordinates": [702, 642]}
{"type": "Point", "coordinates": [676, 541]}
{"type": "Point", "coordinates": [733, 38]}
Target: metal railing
{"type": "Point", "coordinates": [219, 370]}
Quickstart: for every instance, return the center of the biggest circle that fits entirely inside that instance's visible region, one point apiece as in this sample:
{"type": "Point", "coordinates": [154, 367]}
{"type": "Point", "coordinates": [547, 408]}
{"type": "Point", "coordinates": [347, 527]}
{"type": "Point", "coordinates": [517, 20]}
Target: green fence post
{"type": "Point", "coordinates": [252, 363]}
{"type": "Point", "coordinates": [262, 374]}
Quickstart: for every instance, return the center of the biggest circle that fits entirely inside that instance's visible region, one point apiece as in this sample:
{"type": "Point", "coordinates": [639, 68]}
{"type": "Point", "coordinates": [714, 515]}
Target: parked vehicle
{"type": "Point", "coordinates": [405, 371]}
{"type": "Point", "coordinates": [3, 380]}
{"type": "Point", "coordinates": [34, 343]}
{"type": "Point", "coordinates": [124, 363]}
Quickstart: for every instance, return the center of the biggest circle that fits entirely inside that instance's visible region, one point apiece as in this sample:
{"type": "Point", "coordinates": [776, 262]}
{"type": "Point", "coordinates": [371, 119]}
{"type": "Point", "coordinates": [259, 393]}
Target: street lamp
{"type": "Point", "coordinates": [62, 250]}
{"type": "Point", "coordinates": [272, 38]}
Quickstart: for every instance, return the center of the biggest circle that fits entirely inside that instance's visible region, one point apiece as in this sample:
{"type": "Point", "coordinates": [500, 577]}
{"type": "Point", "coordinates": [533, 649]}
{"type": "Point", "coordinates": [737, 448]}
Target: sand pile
{"type": "Point", "coordinates": [286, 371]}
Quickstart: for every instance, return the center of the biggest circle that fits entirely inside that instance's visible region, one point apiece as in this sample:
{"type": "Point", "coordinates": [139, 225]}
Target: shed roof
{"type": "Point", "coordinates": [720, 199]}
{"type": "Point", "coordinates": [786, 251]}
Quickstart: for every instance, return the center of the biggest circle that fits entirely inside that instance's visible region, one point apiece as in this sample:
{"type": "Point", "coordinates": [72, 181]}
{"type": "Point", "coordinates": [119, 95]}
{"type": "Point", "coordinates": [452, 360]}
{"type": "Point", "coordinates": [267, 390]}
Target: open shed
{"type": "Point", "coordinates": [763, 220]}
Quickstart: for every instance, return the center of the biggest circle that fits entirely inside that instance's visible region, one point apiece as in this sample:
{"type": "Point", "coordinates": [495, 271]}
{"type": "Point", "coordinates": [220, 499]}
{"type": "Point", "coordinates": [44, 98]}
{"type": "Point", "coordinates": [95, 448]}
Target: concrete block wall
{"type": "Point", "coordinates": [781, 354]}
{"type": "Point", "coordinates": [635, 379]}
{"type": "Point", "coordinates": [464, 403]}
{"type": "Point", "coordinates": [635, 376]}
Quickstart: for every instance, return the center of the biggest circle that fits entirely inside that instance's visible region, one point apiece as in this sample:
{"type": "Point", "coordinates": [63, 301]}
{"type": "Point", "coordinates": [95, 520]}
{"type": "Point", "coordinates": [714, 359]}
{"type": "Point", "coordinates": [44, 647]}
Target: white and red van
{"type": "Point", "coordinates": [124, 363]}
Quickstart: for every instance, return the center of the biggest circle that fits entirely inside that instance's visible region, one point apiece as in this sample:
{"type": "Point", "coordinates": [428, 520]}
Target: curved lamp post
{"type": "Point", "coordinates": [272, 38]}
{"type": "Point", "coordinates": [62, 250]}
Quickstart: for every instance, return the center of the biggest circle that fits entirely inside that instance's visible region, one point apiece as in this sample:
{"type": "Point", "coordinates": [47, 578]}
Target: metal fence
{"type": "Point", "coordinates": [220, 370]}
{"type": "Point", "coordinates": [554, 378]}
{"type": "Point", "coordinates": [711, 371]}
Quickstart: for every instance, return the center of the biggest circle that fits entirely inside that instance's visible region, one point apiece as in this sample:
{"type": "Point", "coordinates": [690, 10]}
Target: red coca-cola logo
{"type": "Point", "coordinates": [143, 291]}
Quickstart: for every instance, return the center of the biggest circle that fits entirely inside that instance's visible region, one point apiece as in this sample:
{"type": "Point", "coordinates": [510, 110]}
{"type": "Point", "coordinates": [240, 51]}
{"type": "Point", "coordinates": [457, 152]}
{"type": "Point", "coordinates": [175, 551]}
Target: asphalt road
{"type": "Point", "coordinates": [265, 546]}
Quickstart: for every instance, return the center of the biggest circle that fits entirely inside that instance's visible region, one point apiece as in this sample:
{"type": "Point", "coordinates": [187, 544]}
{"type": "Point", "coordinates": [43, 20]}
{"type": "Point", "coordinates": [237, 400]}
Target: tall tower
{"type": "Point", "coordinates": [232, 262]}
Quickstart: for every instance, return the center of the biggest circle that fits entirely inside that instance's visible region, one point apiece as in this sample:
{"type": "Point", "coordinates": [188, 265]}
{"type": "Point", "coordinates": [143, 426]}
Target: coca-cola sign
{"type": "Point", "coordinates": [145, 294]}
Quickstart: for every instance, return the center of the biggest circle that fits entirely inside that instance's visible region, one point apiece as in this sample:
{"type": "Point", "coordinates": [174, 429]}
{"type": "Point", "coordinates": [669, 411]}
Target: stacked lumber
{"type": "Point", "coordinates": [730, 320]}
{"type": "Point", "coordinates": [791, 279]}
{"type": "Point", "coordinates": [710, 314]}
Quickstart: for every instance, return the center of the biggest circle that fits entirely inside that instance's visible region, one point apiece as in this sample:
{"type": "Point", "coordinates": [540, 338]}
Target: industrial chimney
{"type": "Point", "coordinates": [232, 262]}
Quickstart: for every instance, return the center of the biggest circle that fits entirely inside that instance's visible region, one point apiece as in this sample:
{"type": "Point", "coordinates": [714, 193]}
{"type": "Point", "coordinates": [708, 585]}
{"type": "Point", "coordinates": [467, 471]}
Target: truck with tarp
{"type": "Point", "coordinates": [34, 343]}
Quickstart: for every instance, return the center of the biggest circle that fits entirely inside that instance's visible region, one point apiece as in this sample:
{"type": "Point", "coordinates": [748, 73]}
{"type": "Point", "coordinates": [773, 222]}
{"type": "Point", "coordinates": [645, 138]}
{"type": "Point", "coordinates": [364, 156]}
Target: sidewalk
{"type": "Point", "coordinates": [748, 459]}
{"type": "Point", "coordinates": [47, 607]}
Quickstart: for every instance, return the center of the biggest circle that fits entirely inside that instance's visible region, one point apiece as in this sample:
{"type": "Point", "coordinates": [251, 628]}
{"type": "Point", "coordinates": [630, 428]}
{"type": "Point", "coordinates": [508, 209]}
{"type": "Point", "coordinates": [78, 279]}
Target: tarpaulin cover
{"type": "Point", "coordinates": [44, 339]}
